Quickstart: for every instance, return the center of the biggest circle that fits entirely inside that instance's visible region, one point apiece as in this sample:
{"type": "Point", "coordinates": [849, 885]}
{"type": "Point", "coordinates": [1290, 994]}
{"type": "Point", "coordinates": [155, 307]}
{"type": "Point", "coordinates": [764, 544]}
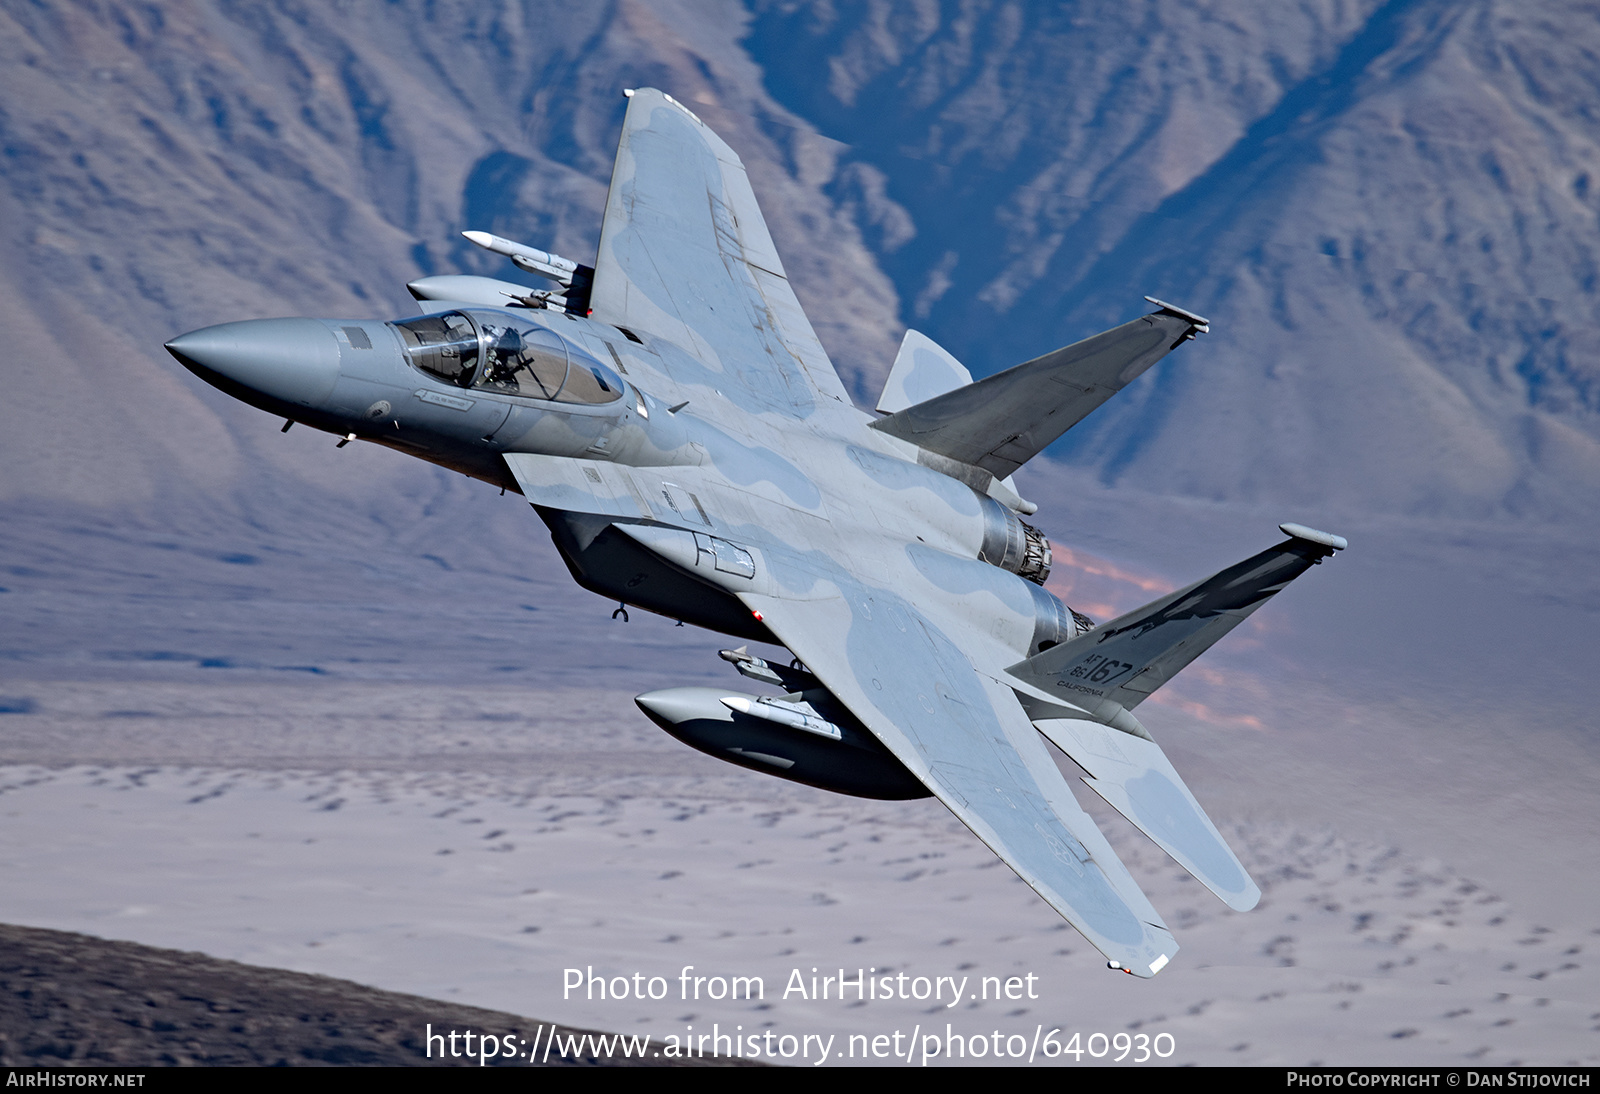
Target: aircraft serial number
{"type": "Point", "coordinates": [1098, 669]}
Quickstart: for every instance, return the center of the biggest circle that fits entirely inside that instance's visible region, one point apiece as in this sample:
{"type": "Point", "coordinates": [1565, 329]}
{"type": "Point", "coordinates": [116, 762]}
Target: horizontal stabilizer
{"type": "Point", "coordinates": [1137, 779]}
{"type": "Point", "coordinates": [1118, 664]}
{"type": "Point", "coordinates": [923, 369]}
{"type": "Point", "coordinates": [1003, 421]}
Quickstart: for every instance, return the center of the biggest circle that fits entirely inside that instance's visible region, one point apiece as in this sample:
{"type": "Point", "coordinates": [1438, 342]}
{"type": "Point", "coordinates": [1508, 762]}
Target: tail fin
{"type": "Point", "coordinates": [1123, 661]}
{"type": "Point", "coordinates": [1114, 667]}
{"type": "Point", "coordinates": [923, 370]}
{"type": "Point", "coordinates": [1001, 422]}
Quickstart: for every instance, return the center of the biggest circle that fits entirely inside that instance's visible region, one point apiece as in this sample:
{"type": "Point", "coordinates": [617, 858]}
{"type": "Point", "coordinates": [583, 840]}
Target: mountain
{"type": "Point", "coordinates": [1388, 209]}
{"type": "Point", "coordinates": [1385, 209]}
{"type": "Point", "coordinates": [171, 166]}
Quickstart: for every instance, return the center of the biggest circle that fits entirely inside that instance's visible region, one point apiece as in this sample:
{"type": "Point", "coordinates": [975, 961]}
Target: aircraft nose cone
{"type": "Point", "coordinates": [291, 360]}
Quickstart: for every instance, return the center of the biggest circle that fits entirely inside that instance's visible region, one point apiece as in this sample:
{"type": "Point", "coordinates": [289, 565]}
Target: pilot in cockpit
{"type": "Point", "coordinates": [505, 353]}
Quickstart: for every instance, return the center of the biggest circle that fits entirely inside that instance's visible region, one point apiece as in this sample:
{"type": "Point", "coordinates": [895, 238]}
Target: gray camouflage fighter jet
{"type": "Point", "coordinates": [671, 416]}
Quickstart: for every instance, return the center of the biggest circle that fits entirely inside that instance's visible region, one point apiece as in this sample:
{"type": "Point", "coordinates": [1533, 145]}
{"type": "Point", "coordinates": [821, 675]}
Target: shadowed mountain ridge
{"type": "Point", "coordinates": [1385, 209]}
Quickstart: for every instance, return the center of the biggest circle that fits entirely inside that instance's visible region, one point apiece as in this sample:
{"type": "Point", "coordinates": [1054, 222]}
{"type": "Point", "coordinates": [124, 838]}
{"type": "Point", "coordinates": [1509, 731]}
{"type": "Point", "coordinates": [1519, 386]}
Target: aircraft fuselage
{"type": "Point", "coordinates": [468, 385]}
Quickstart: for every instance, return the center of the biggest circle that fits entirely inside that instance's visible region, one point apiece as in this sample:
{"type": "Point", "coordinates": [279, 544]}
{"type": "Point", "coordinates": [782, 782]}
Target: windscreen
{"type": "Point", "coordinates": [495, 351]}
{"type": "Point", "coordinates": [445, 346]}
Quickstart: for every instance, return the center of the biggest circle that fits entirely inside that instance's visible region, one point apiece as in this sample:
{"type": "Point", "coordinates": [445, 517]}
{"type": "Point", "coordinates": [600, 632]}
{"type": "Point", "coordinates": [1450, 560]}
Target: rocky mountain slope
{"type": "Point", "coordinates": [167, 167]}
{"type": "Point", "coordinates": [72, 1000]}
{"type": "Point", "coordinates": [1388, 209]}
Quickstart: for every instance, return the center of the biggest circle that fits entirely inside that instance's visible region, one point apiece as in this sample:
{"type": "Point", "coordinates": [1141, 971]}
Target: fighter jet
{"type": "Point", "coordinates": [670, 415]}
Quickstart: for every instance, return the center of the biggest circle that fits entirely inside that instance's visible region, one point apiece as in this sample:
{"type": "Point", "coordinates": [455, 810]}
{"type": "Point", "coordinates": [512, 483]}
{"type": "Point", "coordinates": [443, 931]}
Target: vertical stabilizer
{"type": "Point", "coordinates": [1001, 422]}
{"type": "Point", "coordinates": [923, 369]}
{"type": "Point", "coordinates": [1118, 664]}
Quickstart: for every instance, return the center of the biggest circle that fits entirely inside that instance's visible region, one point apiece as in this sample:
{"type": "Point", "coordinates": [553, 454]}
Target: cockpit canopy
{"type": "Point", "coordinates": [495, 351]}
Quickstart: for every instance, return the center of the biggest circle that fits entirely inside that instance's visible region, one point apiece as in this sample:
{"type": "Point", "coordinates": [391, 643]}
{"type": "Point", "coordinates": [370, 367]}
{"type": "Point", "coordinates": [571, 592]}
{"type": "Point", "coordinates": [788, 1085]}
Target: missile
{"type": "Point", "coordinates": [785, 714]}
{"type": "Point", "coordinates": [786, 677]}
{"type": "Point", "coordinates": [557, 269]}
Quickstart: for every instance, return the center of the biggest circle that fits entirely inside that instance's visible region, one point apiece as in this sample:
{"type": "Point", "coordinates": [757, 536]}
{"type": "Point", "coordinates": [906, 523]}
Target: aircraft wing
{"type": "Point", "coordinates": [964, 734]}
{"type": "Point", "coordinates": [685, 254]}
{"type": "Point", "coordinates": [900, 671]}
